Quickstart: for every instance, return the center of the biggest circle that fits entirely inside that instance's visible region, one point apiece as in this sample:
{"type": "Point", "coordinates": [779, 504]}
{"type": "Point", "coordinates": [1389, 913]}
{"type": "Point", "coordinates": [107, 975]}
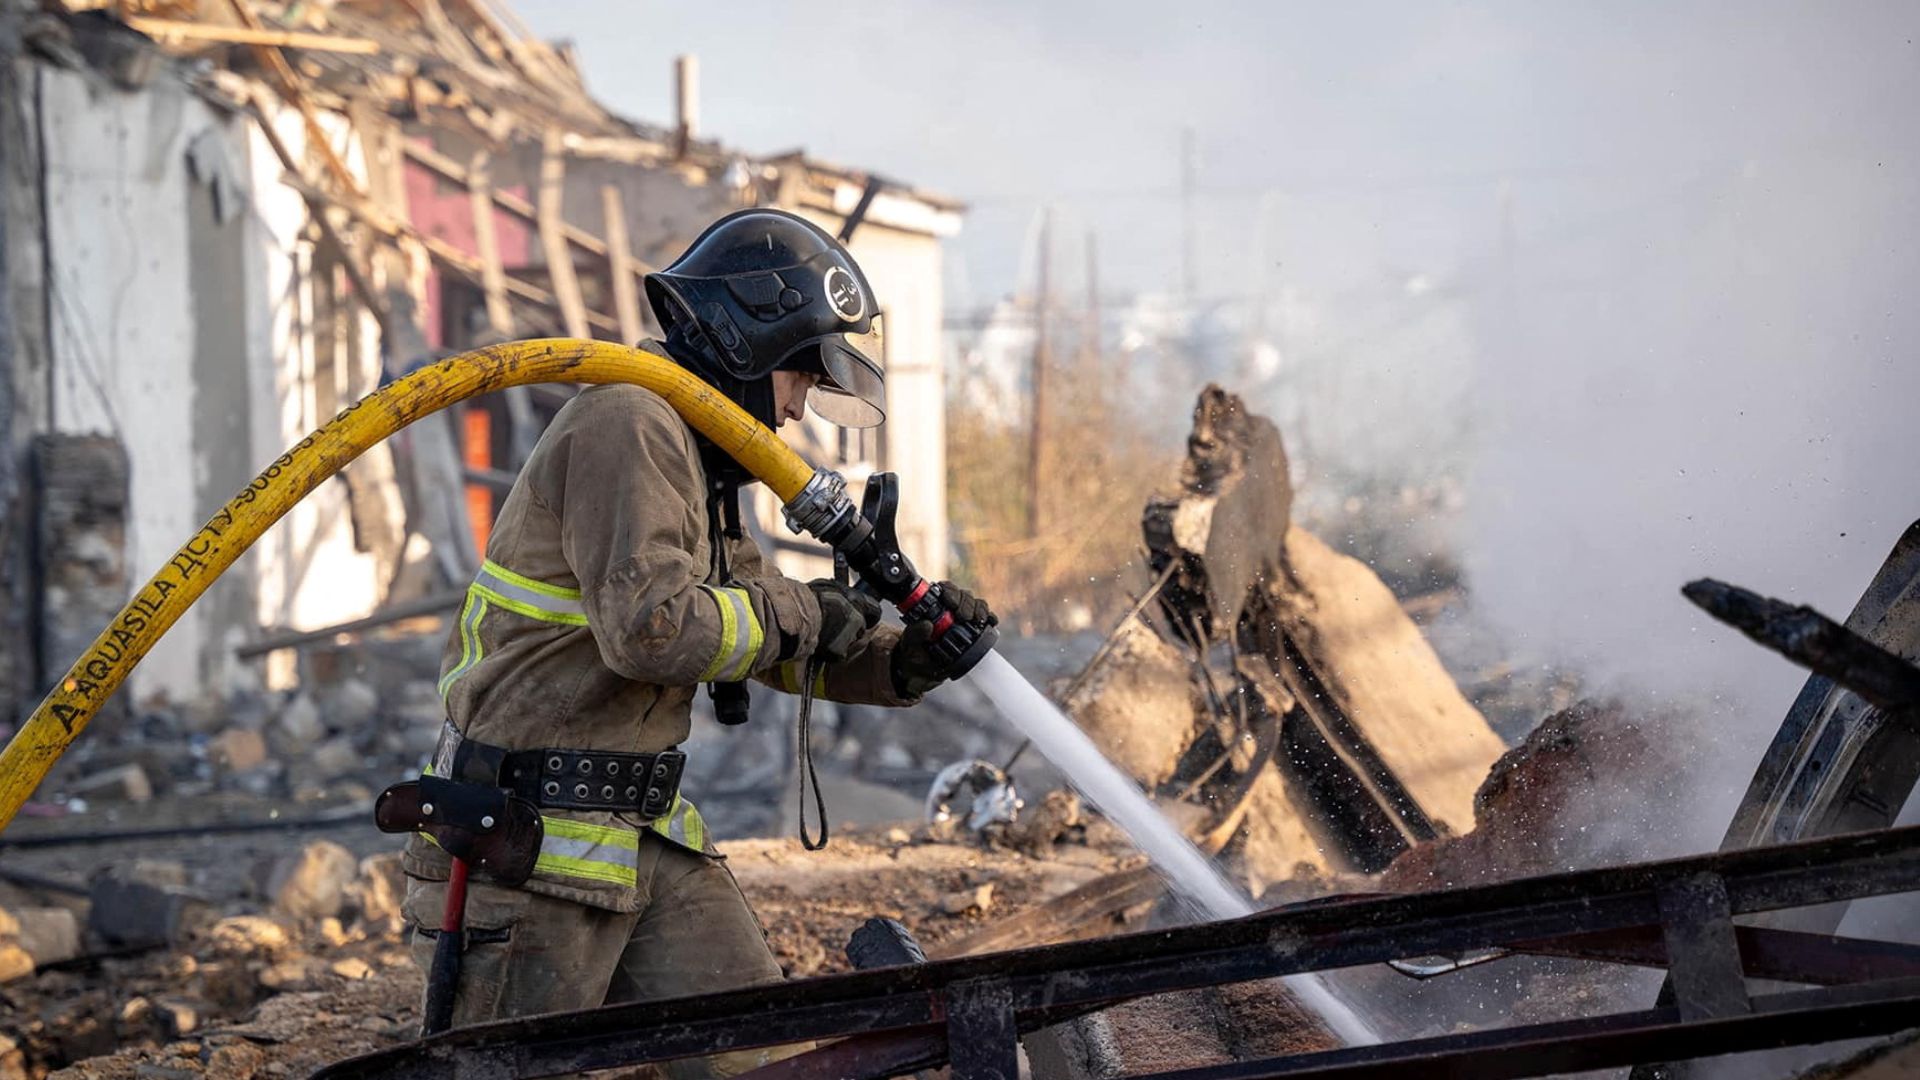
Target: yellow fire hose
{"type": "Point", "coordinates": [208, 553]}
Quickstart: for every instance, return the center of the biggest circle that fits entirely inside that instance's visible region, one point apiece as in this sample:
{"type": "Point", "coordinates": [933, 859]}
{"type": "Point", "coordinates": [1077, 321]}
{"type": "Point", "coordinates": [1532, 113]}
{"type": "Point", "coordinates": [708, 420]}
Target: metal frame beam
{"type": "Point", "coordinates": [1692, 899]}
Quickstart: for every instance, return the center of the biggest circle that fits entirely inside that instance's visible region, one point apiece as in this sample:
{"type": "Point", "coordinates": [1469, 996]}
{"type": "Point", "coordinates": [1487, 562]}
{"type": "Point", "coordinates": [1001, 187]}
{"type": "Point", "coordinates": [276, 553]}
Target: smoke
{"type": "Point", "coordinates": [1723, 397]}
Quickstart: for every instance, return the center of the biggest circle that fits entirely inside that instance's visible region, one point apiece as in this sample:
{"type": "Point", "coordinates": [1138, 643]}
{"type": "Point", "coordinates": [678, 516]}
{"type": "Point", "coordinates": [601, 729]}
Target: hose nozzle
{"type": "Point", "coordinates": [866, 537]}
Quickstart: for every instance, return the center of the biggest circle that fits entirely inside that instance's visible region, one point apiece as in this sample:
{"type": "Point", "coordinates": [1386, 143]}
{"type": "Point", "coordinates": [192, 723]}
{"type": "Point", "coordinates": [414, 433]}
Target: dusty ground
{"type": "Point", "coordinates": [262, 996]}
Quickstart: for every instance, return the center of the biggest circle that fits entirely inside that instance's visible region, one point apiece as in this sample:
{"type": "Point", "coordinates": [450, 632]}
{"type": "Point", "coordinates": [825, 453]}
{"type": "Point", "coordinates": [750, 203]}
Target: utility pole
{"type": "Point", "coordinates": [1090, 336]}
{"type": "Point", "coordinates": [1188, 257]}
{"type": "Point", "coordinates": [1042, 361]}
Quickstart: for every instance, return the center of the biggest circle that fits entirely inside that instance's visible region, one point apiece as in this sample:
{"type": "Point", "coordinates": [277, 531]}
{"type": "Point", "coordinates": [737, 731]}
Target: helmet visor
{"type": "Point", "coordinates": [853, 385]}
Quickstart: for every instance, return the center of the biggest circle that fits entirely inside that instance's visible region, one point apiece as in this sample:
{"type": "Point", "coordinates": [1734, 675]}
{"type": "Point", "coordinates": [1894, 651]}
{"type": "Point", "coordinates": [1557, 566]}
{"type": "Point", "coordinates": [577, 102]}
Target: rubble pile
{"type": "Point", "coordinates": [313, 966]}
{"type": "Point", "coordinates": [365, 714]}
{"type": "Point", "coordinates": [144, 972]}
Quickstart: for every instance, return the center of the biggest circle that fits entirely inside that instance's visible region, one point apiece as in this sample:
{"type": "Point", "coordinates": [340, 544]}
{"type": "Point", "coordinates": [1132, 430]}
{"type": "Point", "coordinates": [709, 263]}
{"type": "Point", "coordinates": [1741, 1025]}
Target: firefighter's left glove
{"type": "Point", "coordinates": [846, 619]}
{"type": "Point", "coordinates": [915, 666]}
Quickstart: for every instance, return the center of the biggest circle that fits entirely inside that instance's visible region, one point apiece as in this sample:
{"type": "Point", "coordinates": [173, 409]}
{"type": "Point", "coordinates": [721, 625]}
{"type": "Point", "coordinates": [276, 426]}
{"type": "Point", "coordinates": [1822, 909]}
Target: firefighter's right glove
{"type": "Point", "coordinates": [846, 618]}
{"type": "Point", "coordinates": [916, 668]}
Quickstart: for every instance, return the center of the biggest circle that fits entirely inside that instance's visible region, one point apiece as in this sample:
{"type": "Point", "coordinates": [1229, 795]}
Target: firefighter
{"type": "Point", "coordinates": [617, 579]}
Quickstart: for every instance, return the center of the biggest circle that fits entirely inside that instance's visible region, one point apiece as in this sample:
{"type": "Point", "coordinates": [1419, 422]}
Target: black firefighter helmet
{"type": "Point", "coordinates": [762, 291]}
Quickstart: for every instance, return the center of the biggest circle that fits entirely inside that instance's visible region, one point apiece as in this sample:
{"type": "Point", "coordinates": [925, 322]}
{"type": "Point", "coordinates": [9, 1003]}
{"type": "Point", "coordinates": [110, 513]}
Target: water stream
{"type": "Point", "coordinates": [1189, 872]}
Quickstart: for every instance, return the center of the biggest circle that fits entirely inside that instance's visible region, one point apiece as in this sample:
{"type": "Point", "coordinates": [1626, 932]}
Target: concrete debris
{"type": "Point", "coordinates": [351, 705]}
{"type": "Point", "coordinates": [249, 936]}
{"type": "Point", "coordinates": [122, 783]}
{"type": "Point", "coordinates": [974, 901]}
{"type": "Point", "coordinates": [351, 968]}
{"type": "Point", "coordinates": [238, 750]}
{"type": "Point", "coordinates": [1141, 705]}
{"type": "Point", "coordinates": [127, 913]}
{"type": "Point", "coordinates": [299, 721]}
{"type": "Point", "coordinates": [49, 935]}
{"type": "Point", "coordinates": [314, 883]}
{"type": "Point", "coordinates": [15, 962]}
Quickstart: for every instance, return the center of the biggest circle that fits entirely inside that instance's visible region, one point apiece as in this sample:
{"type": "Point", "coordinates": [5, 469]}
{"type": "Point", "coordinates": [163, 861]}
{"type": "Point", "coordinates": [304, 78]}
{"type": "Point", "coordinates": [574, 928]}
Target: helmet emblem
{"type": "Point", "coordinates": [843, 295]}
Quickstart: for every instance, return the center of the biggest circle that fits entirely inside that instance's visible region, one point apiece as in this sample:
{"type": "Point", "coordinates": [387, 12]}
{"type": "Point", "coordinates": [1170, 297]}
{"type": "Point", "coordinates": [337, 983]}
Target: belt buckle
{"type": "Point", "coordinates": [662, 786]}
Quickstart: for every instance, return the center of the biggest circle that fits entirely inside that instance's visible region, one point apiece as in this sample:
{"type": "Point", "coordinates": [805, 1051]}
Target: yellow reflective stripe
{"type": "Point", "coordinates": [522, 595]}
{"type": "Point", "coordinates": [793, 672]}
{"type": "Point", "coordinates": [531, 611]}
{"type": "Point", "coordinates": [471, 651]}
{"type": "Point", "coordinates": [558, 592]}
{"type": "Point", "coordinates": [729, 635]}
{"type": "Point", "coordinates": [594, 852]}
{"type": "Point", "coordinates": [756, 637]}
{"type": "Point", "coordinates": [683, 825]}
{"type": "Point", "coordinates": [610, 835]}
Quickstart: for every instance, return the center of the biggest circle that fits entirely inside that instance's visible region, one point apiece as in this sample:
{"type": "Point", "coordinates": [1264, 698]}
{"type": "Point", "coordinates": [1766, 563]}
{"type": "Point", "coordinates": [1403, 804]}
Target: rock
{"type": "Point", "coordinates": [160, 873]}
{"type": "Point", "coordinates": [237, 750]}
{"type": "Point", "coordinates": [135, 914]}
{"type": "Point", "coordinates": [351, 967]}
{"type": "Point", "coordinates": [300, 721]}
{"type": "Point", "coordinates": [227, 984]}
{"type": "Point", "coordinates": [898, 835]}
{"type": "Point", "coordinates": [9, 926]}
{"type": "Point", "coordinates": [15, 962]}
{"type": "Point", "coordinates": [313, 884]}
{"type": "Point", "coordinates": [378, 890]}
{"type": "Point", "coordinates": [180, 1016]}
{"type": "Point", "coordinates": [976, 899]}
{"type": "Point", "coordinates": [237, 1060]}
{"type": "Point", "coordinates": [352, 705]}
{"type": "Point", "coordinates": [13, 1060]}
{"type": "Point", "coordinates": [331, 932]}
{"type": "Point", "coordinates": [249, 935]}
{"type": "Point", "coordinates": [336, 757]}
{"type": "Point", "coordinates": [49, 935]}
{"type": "Point", "coordinates": [297, 974]}
{"type": "Point", "coordinates": [122, 783]}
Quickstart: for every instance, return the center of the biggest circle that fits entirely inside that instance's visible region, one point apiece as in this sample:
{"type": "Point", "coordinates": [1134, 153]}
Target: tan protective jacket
{"type": "Point", "coordinates": [595, 617]}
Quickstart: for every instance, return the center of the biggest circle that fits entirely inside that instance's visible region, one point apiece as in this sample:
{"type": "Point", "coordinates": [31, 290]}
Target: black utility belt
{"type": "Point", "coordinates": [561, 779]}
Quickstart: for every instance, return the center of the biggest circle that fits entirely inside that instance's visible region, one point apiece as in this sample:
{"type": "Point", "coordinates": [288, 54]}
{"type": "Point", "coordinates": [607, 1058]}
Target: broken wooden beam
{"type": "Point", "coordinates": [553, 177]}
{"type": "Point", "coordinates": [437, 604]}
{"type": "Point", "coordinates": [626, 295]}
{"type": "Point", "coordinates": [172, 30]}
{"type": "Point", "coordinates": [1813, 641]}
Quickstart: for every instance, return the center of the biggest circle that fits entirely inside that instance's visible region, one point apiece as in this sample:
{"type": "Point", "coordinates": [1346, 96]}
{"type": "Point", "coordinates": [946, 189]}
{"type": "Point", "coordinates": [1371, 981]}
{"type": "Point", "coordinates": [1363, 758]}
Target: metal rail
{"type": "Point", "coordinates": [971, 1009]}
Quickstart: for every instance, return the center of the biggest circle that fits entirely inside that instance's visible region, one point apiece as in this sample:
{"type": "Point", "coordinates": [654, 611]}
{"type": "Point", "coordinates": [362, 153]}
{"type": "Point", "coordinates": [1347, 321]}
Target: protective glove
{"type": "Point", "coordinates": [846, 618]}
{"type": "Point", "coordinates": [916, 668]}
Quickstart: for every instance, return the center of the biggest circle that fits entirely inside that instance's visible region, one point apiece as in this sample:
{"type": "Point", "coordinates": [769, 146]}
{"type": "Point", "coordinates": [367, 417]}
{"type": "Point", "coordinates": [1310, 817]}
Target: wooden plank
{"type": "Point", "coordinates": [294, 90]}
{"type": "Point", "coordinates": [553, 175]}
{"type": "Point", "coordinates": [317, 204]}
{"type": "Point", "coordinates": [172, 30]}
{"type": "Point", "coordinates": [493, 278]}
{"type": "Point", "coordinates": [626, 296]}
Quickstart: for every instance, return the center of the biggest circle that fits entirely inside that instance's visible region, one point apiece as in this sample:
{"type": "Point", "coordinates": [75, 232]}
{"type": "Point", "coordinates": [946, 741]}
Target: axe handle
{"type": "Point", "coordinates": [443, 977]}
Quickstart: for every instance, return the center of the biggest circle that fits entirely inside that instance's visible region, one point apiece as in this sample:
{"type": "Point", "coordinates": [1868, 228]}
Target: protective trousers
{"type": "Point", "coordinates": [528, 953]}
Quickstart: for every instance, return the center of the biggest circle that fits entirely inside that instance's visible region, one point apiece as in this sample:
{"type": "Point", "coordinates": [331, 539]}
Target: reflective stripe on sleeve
{"type": "Point", "coordinates": [740, 635]}
{"type": "Point", "coordinates": [794, 672]}
{"type": "Point", "coordinates": [471, 651]}
{"type": "Point", "coordinates": [525, 596]}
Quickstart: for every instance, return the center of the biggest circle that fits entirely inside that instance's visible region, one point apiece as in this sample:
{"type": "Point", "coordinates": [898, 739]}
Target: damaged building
{"type": "Point", "coordinates": [262, 213]}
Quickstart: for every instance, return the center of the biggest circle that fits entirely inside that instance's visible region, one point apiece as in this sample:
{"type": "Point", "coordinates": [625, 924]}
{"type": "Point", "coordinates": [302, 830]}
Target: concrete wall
{"type": "Point", "coordinates": [183, 326]}
{"type": "Point", "coordinates": [23, 366]}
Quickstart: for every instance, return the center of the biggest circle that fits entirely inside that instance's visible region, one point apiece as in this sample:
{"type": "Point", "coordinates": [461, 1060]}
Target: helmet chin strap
{"type": "Point", "coordinates": [755, 396]}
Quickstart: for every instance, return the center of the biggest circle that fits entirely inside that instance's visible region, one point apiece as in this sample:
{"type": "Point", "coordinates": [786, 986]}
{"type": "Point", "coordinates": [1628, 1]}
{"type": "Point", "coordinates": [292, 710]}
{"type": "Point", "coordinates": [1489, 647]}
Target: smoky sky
{"type": "Point", "coordinates": [1639, 274]}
